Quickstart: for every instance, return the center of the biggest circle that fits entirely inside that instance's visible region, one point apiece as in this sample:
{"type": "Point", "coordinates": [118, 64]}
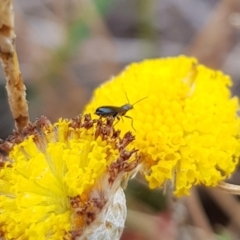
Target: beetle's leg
{"type": "Point", "coordinates": [118, 119]}
{"type": "Point", "coordinates": [131, 122]}
{"type": "Point", "coordinates": [115, 115]}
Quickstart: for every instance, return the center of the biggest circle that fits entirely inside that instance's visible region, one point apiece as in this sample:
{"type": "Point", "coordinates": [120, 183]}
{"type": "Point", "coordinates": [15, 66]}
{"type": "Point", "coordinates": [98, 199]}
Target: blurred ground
{"type": "Point", "coordinates": [67, 48]}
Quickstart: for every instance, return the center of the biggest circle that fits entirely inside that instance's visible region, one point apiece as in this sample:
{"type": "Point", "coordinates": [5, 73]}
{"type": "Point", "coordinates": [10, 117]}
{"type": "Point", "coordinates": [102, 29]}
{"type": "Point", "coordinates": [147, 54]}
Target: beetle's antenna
{"type": "Point", "coordinates": [127, 98]}
{"type": "Point", "coordinates": [139, 100]}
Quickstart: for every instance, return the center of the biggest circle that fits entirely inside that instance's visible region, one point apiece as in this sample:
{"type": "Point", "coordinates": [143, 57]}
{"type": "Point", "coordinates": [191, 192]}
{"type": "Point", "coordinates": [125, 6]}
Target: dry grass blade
{"type": "Point", "coordinates": [230, 188]}
{"type": "Point", "coordinates": [15, 87]}
{"type": "Point", "coordinates": [214, 41]}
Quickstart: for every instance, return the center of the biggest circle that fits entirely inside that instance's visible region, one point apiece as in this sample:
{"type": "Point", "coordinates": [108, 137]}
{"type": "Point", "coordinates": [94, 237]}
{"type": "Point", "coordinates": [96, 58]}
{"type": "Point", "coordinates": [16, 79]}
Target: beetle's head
{"type": "Point", "coordinates": [127, 107]}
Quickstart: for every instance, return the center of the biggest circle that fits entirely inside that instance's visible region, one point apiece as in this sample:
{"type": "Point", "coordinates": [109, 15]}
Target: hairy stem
{"type": "Point", "coordinates": [16, 89]}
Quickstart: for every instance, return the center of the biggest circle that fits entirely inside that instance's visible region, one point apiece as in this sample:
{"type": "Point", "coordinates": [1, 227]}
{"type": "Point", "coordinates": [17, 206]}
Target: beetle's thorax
{"type": "Point", "coordinates": [127, 107]}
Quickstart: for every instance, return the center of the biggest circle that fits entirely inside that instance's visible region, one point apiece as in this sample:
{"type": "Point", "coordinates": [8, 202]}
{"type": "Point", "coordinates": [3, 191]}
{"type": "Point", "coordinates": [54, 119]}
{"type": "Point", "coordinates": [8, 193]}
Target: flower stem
{"type": "Point", "coordinates": [16, 89]}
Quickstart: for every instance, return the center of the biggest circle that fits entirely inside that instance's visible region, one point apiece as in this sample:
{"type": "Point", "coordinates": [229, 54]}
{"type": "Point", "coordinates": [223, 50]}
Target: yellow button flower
{"type": "Point", "coordinates": [62, 181]}
{"type": "Point", "coordinates": [187, 129]}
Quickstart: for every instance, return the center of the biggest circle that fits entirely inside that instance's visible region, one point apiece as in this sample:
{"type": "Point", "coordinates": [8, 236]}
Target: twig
{"type": "Point", "coordinates": [198, 216]}
{"type": "Point", "coordinates": [228, 204]}
{"type": "Point", "coordinates": [214, 41]}
{"type": "Point", "coordinates": [15, 87]}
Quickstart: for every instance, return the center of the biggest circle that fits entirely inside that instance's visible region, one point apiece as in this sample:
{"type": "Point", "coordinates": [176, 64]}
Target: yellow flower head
{"type": "Point", "coordinates": [61, 181]}
{"type": "Point", "coordinates": [187, 129]}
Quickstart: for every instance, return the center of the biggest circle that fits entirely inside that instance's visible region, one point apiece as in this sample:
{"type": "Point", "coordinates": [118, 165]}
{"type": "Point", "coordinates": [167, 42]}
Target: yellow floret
{"type": "Point", "coordinates": [53, 179]}
{"type": "Point", "coordinates": [187, 128]}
